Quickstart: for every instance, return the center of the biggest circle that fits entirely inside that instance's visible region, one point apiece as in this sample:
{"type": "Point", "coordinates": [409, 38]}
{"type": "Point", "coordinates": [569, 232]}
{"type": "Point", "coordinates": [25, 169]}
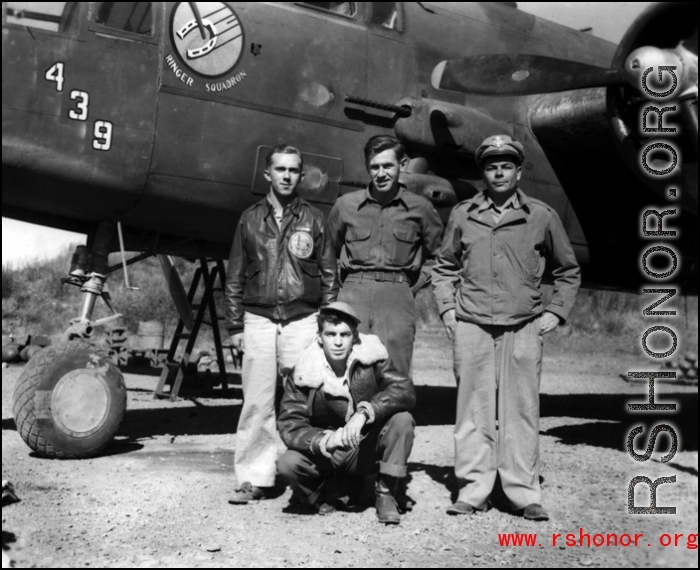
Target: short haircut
{"type": "Point", "coordinates": [335, 318]}
{"type": "Point", "coordinates": [283, 149]}
{"type": "Point", "coordinates": [380, 143]}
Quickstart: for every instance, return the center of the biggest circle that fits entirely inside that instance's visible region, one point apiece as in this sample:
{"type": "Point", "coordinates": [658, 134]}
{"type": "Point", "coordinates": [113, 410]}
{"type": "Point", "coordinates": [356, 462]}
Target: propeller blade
{"type": "Point", "coordinates": [520, 74]}
{"type": "Point", "coordinates": [177, 290]}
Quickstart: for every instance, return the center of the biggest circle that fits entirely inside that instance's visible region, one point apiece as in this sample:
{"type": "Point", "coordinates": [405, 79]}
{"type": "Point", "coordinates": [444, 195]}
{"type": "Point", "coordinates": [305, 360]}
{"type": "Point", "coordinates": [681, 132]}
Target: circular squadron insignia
{"type": "Point", "coordinates": [208, 37]}
{"type": "Point", "coordinates": [301, 245]}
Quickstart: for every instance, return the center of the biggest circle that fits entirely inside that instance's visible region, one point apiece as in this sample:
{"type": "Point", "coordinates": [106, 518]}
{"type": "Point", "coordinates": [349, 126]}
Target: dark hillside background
{"type": "Point", "coordinates": [34, 302]}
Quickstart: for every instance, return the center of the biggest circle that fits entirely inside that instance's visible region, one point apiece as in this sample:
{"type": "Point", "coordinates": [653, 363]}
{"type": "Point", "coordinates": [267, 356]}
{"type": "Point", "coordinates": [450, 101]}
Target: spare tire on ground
{"type": "Point", "coordinates": [11, 353]}
{"type": "Point", "coordinates": [69, 401]}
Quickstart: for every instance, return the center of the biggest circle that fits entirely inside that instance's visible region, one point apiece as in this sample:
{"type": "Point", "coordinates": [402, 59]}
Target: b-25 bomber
{"type": "Point", "coordinates": [144, 125]}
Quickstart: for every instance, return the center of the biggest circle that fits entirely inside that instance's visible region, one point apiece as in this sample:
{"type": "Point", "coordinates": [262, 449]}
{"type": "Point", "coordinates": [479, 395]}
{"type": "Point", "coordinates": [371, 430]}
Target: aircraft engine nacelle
{"type": "Point", "coordinates": [438, 125]}
{"type": "Point", "coordinates": [666, 34]}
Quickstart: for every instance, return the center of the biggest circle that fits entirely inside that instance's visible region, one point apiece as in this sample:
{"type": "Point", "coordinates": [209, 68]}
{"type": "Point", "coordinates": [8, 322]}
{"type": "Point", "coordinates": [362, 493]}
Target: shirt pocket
{"type": "Point", "coordinates": [530, 261]}
{"type": "Point", "coordinates": [357, 243]}
{"type": "Point", "coordinates": [523, 257]}
{"type": "Point", "coordinates": [405, 246]}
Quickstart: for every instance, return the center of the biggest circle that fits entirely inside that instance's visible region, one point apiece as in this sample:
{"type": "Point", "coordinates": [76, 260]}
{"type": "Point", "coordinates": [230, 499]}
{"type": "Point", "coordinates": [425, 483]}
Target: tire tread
{"type": "Point", "coordinates": [23, 407]}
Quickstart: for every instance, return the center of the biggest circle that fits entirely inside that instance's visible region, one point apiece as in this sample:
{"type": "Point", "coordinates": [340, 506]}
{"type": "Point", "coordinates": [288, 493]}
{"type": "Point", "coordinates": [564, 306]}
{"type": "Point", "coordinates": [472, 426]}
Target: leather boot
{"type": "Point", "coordinates": [387, 509]}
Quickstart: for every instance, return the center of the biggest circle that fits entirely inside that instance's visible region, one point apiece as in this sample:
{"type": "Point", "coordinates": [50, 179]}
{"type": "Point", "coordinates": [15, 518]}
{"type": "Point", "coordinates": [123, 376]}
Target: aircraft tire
{"type": "Point", "coordinates": [69, 401]}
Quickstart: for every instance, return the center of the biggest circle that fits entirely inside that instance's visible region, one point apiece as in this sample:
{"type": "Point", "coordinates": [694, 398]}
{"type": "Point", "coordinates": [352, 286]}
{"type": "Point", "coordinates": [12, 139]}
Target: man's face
{"type": "Point", "coordinates": [284, 173]}
{"type": "Point", "coordinates": [336, 341]}
{"type": "Point", "coordinates": [384, 169]}
{"type": "Point", "coordinates": [501, 173]}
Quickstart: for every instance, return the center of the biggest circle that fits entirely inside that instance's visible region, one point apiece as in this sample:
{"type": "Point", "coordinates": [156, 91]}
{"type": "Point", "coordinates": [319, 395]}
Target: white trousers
{"type": "Point", "coordinates": [270, 347]}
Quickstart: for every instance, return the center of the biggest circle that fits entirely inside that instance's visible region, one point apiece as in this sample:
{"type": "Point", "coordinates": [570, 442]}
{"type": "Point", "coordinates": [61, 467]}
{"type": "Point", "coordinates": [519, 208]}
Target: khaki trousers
{"type": "Point", "coordinates": [270, 346]}
{"type": "Point", "coordinates": [388, 310]}
{"type": "Point", "coordinates": [385, 447]}
{"type": "Point", "coordinates": [498, 371]}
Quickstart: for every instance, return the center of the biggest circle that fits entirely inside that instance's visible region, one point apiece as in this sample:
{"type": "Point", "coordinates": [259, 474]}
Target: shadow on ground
{"type": "Point", "coordinates": [7, 539]}
{"type": "Point", "coordinates": [200, 420]}
{"type": "Point", "coordinates": [436, 406]}
{"type": "Point", "coordinates": [444, 475]}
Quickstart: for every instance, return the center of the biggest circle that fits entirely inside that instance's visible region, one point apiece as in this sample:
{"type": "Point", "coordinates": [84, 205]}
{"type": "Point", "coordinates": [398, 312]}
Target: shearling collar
{"type": "Point", "coordinates": [312, 370]}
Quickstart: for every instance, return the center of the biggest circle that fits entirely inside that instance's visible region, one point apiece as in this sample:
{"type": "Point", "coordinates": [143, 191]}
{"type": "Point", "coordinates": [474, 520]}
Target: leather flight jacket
{"type": "Point", "coordinates": [308, 410]}
{"type": "Point", "coordinates": [279, 272]}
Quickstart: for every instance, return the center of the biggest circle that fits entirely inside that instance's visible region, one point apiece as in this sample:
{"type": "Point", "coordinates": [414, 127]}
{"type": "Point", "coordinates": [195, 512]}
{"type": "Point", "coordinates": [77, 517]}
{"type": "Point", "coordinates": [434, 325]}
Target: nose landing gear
{"type": "Point", "coordinates": [70, 399]}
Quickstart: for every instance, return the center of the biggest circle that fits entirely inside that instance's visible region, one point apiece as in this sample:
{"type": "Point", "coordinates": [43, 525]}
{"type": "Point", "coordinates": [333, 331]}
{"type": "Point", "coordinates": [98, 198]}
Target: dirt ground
{"type": "Point", "coordinates": [158, 499]}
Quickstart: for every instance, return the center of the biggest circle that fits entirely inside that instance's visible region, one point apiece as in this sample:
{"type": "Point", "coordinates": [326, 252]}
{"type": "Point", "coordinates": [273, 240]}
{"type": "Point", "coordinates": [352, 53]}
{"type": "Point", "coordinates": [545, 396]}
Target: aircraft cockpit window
{"type": "Point", "coordinates": [386, 15]}
{"type": "Point", "coordinates": [133, 17]}
{"type": "Point", "coordinates": [343, 8]}
{"type": "Point", "coordinates": [58, 17]}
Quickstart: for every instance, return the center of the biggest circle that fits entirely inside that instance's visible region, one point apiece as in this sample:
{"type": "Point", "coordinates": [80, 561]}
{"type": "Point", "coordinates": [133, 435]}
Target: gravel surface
{"type": "Point", "coordinates": [159, 498]}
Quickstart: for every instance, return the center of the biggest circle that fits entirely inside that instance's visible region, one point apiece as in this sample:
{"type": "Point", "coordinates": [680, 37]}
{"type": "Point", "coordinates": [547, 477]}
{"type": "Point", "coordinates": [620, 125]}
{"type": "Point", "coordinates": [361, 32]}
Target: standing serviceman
{"type": "Point", "coordinates": [487, 280]}
{"type": "Point", "coordinates": [282, 269]}
{"type": "Point", "coordinates": [379, 235]}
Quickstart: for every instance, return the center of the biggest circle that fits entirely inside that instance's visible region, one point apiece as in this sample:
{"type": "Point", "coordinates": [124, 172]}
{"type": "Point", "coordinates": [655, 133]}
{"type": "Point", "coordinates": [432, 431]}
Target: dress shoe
{"type": "Point", "coordinates": [324, 508]}
{"type": "Point", "coordinates": [535, 512]}
{"type": "Point", "coordinates": [461, 508]}
{"type": "Point", "coordinates": [246, 493]}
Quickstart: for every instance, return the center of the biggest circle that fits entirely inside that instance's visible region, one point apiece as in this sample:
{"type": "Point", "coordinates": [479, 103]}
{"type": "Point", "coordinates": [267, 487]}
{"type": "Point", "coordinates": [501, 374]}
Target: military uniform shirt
{"type": "Point", "coordinates": [491, 272]}
{"type": "Point", "coordinates": [368, 236]}
{"type": "Point", "coordinates": [511, 204]}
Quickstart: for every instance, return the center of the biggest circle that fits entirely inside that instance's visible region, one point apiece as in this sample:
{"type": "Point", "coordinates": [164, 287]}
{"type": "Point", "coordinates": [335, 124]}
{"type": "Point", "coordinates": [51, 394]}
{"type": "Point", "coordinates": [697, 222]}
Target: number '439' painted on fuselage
{"type": "Point", "coordinates": [102, 130]}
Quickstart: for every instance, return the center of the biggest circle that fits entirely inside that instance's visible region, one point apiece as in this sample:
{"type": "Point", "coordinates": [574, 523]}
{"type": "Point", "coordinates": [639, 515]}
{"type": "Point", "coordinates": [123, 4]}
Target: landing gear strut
{"type": "Point", "coordinates": [90, 273]}
{"type": "Point", "coordinates": [70, 399]}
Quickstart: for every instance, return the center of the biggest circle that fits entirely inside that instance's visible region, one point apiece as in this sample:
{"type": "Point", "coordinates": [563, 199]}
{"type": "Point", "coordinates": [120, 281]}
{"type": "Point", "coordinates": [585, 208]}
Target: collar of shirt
{"type": "Point", "coordinates": [512, 202]}
{"type": "Point", "coordinates": [481, 201]}
{"type": "Point", "coordinates": [339, 387]}
{"type": "Point", "coordinates": [399, 197]}
{"type": "Point", "coordinates": [293, 206]}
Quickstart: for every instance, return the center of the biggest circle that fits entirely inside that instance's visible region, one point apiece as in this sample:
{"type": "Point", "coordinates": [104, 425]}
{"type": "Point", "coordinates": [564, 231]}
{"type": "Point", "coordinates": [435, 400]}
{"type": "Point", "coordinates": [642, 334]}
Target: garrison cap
{"type": "Point", "coordinates": [343, 308]}
{"type": "Point", "coordinates": [499, 144]}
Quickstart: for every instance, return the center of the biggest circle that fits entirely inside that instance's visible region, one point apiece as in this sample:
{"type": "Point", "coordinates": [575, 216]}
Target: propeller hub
{"type": "Point", "coordinates": [650, 57]}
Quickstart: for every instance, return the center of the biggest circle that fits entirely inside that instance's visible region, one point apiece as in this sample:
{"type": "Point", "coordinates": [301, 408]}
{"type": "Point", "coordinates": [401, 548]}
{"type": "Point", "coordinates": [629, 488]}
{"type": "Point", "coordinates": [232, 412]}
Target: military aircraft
{"type": "Point", "coordinates": [144, 125]}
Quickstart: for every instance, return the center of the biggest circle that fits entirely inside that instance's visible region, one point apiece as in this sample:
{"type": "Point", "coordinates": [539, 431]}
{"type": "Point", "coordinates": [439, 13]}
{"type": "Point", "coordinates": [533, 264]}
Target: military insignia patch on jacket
{"type": "Point", "coordinates": [301, 245]}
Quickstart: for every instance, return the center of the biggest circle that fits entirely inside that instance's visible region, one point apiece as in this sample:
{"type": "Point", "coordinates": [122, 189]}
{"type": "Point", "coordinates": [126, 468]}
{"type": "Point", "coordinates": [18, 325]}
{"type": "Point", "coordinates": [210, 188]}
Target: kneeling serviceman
{"type": "Point", "coordinates": [345, 409]}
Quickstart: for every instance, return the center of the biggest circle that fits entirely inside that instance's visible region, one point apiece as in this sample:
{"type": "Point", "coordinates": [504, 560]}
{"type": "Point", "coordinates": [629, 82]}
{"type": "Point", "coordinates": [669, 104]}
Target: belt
{"type": "Point", "coordinates": [391, 276]}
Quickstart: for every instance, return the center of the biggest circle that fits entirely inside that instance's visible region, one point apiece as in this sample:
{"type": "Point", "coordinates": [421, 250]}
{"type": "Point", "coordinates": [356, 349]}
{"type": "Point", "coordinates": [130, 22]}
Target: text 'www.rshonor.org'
{"type": "Point", "coordinates": [584, 539]}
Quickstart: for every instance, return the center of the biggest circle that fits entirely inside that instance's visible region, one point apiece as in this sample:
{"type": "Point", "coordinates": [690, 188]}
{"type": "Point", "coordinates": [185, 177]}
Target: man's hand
{"type": "Point", "coordinates": [450, 321]}
{"type": "Point", "coordinates": [548, 322]}
{"type": "Point", "coordinates": [335, 441]}
{"type": "Point", "coordinates": [351, 432]}
{"type": "Point", "coordinates": [237, 344]}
